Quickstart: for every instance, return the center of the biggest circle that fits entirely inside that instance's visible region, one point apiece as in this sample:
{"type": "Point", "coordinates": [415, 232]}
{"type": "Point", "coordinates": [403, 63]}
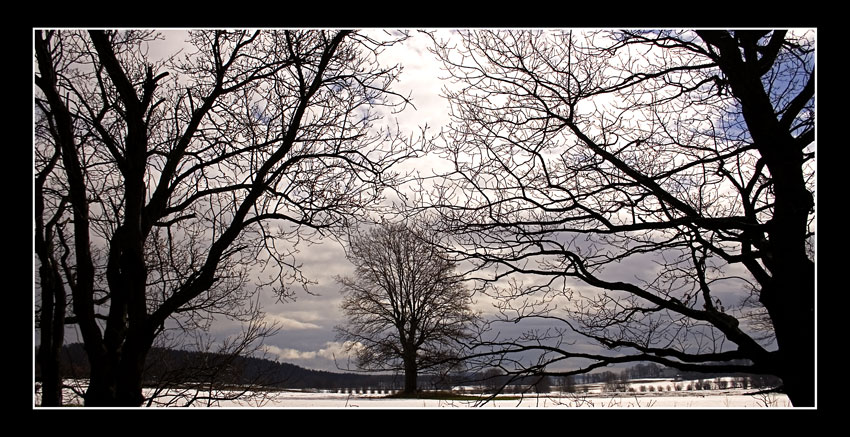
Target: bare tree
{"type": "Point", "coordinates": [188, 177]}
{"type": "Point", "coordinates": [406, 309]}
{"type": "Point", "coordinates": [218, 376]}
{"type": "Point", "coordinates": [493, 380]}
{"type": "Point", "coordinates": [684, 157]}
{"type": "Point", "coordinates": [50, 215]}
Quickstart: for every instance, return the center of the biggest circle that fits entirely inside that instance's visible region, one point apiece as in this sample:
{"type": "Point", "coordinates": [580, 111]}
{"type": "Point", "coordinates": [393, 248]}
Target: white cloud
{"type": "Point", "coordinates": [332, 350]}
{"type": "Point", "coordinates": [288, 354]}
{"type": "Point", "coordinates": [290, 324]}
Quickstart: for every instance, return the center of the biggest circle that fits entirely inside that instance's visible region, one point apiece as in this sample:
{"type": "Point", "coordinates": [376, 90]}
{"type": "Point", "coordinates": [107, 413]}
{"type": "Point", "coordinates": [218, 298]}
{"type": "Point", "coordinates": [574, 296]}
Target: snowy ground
{"type": "Point", "coordinates": [729, 399]}
{"type": "Point", "coordinates": [638, 396]}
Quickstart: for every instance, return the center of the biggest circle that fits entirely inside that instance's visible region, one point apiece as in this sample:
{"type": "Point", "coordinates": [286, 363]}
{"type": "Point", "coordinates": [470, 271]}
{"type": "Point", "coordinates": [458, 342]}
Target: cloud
{"type": "Point", "coordinates": [290, 324]}
{"type": "Point", "coordinates": [332, 350]}
{"type": "Point", "coordinates": [288, 354]}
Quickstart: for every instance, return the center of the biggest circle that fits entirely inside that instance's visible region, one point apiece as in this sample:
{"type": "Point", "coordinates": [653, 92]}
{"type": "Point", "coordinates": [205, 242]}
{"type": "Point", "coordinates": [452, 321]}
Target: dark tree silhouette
{"type": "Point", "coordinates": [185, 177]}
{"type": "Point", "coordinates": [406, 309]}
{"type": "Point", "coordinates": [215, 375]}
{"type": "Point", "coordinates": [49, 211]}
{"type": "Point", "coordinates": [685, 157]}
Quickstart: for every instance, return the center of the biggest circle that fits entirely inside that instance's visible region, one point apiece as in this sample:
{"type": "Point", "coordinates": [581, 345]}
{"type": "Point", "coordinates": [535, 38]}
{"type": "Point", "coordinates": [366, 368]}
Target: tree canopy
{"type": "Point", "coordinates": [167, 184]}
{"type": "Point", "coordinates": [651, 191]}
{"type": "Point", "coordinates": [406, 308]}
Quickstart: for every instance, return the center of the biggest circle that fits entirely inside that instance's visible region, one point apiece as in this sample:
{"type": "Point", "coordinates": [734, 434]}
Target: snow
{"type": "Point", "coordinates": [663, 398]}
{"type": "Point", "coordinates": [552, 400]}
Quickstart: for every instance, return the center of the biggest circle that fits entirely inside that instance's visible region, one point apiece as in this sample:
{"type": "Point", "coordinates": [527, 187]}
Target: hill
{"type": "Point", "coordinates": [169, 366]}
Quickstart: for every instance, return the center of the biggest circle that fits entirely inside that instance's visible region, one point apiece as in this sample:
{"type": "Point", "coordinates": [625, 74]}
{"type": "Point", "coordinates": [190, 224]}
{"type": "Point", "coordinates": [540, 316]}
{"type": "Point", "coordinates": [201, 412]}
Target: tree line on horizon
{"type": "Point", "coordinates": [170, 368]}
{"type": "Point", "coordinates": [219, 374]}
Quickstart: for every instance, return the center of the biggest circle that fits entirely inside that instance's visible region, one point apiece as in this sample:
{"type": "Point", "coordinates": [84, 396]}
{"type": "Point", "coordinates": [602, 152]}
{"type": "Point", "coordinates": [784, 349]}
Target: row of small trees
{"type": "Point", "coordinates": [568, 385]}
{"type": "Point", "coordinates": [743, 382]}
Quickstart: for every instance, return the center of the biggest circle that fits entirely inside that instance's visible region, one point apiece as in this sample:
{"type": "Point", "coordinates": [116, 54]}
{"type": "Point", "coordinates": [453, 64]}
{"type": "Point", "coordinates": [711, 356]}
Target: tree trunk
{"type": "Point", "coordinates": [52, 335]}
{"type": "Point", "coordinates": [51, 381]}
{"type": "Point", "coordinates": [410, 373]}
{"type": "Point", "coordinates": [101, 389]}
{"type": "Point", "coordinates": [116, 386]}
{"type": "Point", "coordinates": [83, 289]}
{"type": "Point", "coordinates": [795, 333]}
{"type": "Point", "coordinates": [790, 299]}
{"type": "Point", "coordinates": [798, 372]}
{"type": "Point", "coordinates": [789, 295]}
{"type": "Point", "coordinates": [116, 376]}
{"type": "Point", "coordinates": [129, 383]}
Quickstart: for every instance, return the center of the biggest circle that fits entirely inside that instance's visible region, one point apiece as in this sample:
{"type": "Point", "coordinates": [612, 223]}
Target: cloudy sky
{"type": "Point", "coordinates": [307, 337]}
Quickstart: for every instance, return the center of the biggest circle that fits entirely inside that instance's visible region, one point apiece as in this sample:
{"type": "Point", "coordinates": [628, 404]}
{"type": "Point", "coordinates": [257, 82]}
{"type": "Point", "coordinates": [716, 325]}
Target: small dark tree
{"type": "Point", "coordinates": [493, 380]}
{"type": "Point", "coordinates": [406, 309]}
{"type": "Point", "coordinates": [568, 384]}
{"type": "Point", "coordinates": [543, 385]}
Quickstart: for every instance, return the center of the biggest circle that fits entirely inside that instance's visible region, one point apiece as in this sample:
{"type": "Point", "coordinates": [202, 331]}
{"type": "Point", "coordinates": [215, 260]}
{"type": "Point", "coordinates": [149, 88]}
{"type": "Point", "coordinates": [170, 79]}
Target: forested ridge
{"type": "Point", "coordinates": [166, 366]}
{"type": "Point", "coordinates": [163, 365]}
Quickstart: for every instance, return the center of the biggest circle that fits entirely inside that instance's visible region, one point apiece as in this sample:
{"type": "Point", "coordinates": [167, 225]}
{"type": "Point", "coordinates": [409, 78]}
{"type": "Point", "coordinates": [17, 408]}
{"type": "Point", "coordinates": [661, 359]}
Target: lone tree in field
{"type": "Point", "coordinates": [406, 308]}
{"type": "Point", "coordinates": [165, 185]}
{"type": "Point", "coordinates": [657, 186]}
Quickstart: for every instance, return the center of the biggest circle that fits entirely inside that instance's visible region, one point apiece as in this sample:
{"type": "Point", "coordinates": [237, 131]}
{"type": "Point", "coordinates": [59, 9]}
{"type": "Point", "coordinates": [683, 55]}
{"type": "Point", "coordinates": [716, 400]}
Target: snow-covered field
{"type": "Point", "coordinates": [636, 396]}
{"type": "Point", "coordinates": [729, 399]}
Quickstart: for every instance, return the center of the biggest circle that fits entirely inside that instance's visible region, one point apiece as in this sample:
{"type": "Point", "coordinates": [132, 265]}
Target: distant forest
{"type": "Point", "coordinates": [165, 367]}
